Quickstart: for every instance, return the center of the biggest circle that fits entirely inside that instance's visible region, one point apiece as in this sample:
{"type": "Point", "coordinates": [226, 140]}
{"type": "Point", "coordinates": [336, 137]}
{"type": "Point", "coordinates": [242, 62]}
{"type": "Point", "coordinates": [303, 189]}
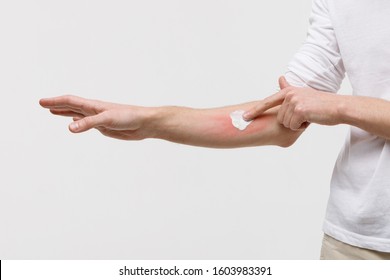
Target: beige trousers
{"type": "Point", "coordinates": [333, 249]}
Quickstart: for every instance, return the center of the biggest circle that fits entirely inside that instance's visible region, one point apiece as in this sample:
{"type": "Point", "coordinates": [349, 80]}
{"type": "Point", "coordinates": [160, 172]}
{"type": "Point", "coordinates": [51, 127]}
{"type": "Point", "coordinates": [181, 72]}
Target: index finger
{"type": "Point", "coordinates": [62, 101]}
{"type": "Point", "coordinates": [266, 104]}
{"type": "Point", "coordinates": [74, 103]}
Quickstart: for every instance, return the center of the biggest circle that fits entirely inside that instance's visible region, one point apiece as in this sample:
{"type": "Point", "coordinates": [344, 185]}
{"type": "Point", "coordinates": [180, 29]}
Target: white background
{"type": "Point", "coordinates": [65, 196]}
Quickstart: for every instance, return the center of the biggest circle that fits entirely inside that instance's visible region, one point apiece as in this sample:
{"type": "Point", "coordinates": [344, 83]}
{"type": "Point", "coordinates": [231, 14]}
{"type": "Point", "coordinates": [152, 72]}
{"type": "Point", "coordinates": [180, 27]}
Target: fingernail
{"type": "Point", "coordinates": [42, 100]}
{"type": "Point", "coordinates": [246, 116]}
{"type": "Point", "coordinates": [74, 126]}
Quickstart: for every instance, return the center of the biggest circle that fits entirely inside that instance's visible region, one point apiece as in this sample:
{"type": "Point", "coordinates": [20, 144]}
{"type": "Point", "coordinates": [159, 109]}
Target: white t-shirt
{"type": "Point", "coordinates": [352, 36]}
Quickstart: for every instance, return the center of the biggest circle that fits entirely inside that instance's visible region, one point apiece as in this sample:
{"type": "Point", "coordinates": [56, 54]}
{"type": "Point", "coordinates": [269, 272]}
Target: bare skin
{"type": "Point", "coordinates": [300, 106]}
{"type": "Point", "coordinates": [197, 127]}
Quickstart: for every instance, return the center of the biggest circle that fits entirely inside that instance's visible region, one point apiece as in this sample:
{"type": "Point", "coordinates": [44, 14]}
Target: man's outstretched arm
{"type": "Point", "coordinates": [197, 127]}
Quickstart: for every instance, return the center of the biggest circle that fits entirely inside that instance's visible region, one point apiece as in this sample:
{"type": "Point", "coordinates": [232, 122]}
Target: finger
{"type": "Point", "coordinates": [66, 113]}
{"type": "Point", "coordinates": [288, 114]}
{"type": "Point", "coordinates": [297, 122]}
{"type": "Point", "coordinates": [75, 119]}
{"type": "Point", "coordinates": [63, 100]}
{"type": "Point", "coordinates": [283, 83]}
{"type": "Point", "coordinates": [68, 108]}
{"type": "Point", "coordinates": [72, 102]}
{"type": "Point", "coordinates": [266, 104]}
{"type": "Point", "coordinates": [282, 112]}
{"type": "Point", "coordinates": [89, 122]}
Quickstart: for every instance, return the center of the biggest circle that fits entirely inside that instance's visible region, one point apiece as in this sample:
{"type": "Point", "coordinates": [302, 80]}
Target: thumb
{"type": "Point", "coordinates": [87, 123]}
{"type": "Point", "coordinates": [283, 82]}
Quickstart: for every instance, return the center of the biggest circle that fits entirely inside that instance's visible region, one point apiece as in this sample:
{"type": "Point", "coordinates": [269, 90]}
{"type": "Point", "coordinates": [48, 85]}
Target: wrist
{"type": "Point", "coordinates": [348, 110]}
{"type": "Point", "coordinates": [343, 109]}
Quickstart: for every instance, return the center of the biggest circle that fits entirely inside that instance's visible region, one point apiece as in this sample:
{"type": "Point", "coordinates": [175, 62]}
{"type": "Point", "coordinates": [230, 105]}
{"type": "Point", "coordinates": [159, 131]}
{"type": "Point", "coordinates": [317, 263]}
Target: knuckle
{"type": "Point", "coordinates": [299, 110]}
{"type": "Point", "coordinates": [294, 99]}
{"type": "Point", "coordinates": [82, 107]}
{"type": "Point", "coordinates": [68, 97]}
{"type": "Point", "coordinates": [290, 95]}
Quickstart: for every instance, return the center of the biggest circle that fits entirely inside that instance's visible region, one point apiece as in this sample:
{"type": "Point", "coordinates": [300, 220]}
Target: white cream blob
{"type": "Point", "coordinates": [238, 121]}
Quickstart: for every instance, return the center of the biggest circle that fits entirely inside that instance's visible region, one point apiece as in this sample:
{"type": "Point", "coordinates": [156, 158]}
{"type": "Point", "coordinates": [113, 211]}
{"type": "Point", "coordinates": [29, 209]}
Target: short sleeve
{"type": "Point", "coordinates": [318, 63]}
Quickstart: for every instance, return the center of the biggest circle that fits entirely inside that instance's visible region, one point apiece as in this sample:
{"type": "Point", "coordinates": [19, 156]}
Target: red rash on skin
{"type": "Point", "coordinates": [255, 126]}
{"type": "Point", "coordinates": [221, 125]}
{"type": "Point", "coordinates": [214, 129]}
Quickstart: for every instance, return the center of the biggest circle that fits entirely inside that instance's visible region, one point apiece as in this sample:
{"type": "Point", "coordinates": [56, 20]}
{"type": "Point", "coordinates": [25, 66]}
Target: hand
{"type": "Point", "coordinates": [299, 107]}
{"type": "Point", "coordinates": [119, 121]}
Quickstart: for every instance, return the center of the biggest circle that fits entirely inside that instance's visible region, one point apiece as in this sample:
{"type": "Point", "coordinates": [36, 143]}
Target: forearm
{"type": "Point", "coordinates": [369, 114]}
{"type": "Point", "coordinates": [213, 127]}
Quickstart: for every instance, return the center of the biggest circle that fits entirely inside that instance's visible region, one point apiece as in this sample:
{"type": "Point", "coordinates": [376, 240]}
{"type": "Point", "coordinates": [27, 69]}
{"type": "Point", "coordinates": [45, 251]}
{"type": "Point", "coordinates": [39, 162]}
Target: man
{"type": "Point", "coordinates": [345, 36]}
